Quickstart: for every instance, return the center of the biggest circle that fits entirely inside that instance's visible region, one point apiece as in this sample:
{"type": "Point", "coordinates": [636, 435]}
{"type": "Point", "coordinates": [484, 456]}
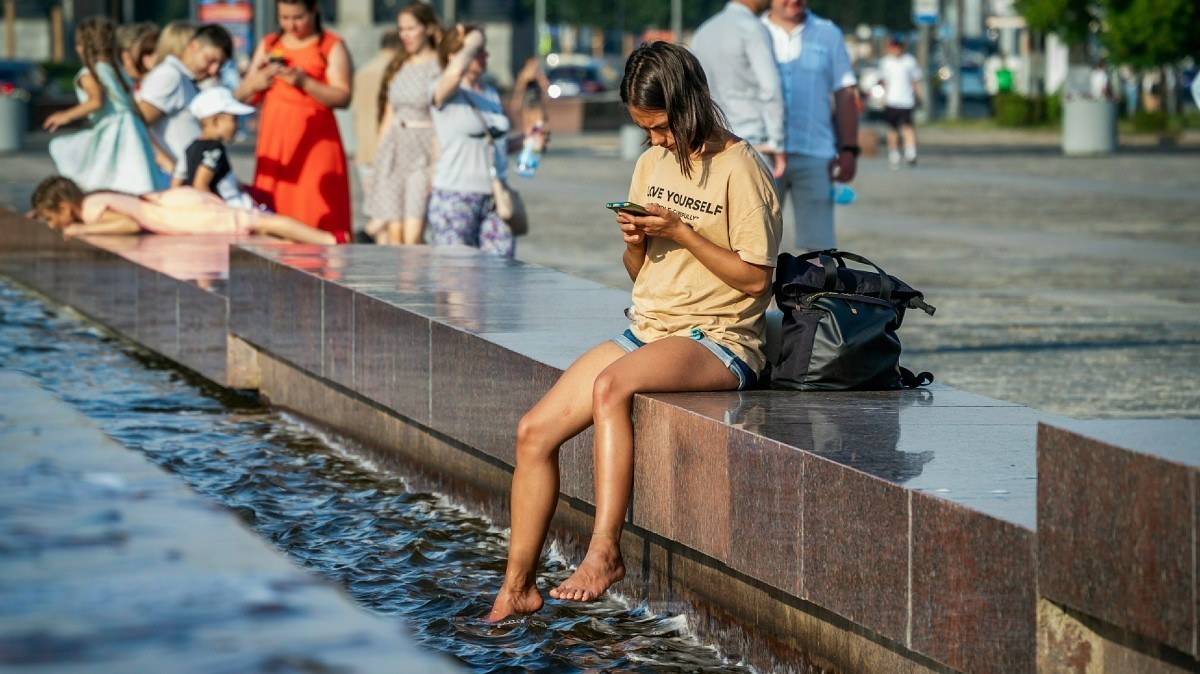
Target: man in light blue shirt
{"type": "Point", "coordinates": [821, 98]}
{"type": "Point", "coordinates": [734, 49]}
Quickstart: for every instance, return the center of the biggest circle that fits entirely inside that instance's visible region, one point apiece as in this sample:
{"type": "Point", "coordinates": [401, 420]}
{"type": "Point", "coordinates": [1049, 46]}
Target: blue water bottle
{"type": "Point", "coordinates": [531, 152]}
{"type": "Point", "coordinates": [842, 194]}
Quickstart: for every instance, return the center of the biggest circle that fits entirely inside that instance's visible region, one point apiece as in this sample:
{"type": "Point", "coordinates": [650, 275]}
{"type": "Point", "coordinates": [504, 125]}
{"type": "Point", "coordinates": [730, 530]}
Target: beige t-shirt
{"type": "Point", "coordinates": [729, 200]}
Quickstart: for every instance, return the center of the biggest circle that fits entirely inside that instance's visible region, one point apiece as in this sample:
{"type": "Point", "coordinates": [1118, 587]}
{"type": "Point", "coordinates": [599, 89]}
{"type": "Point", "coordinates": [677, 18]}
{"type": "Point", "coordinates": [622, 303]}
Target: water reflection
{"type": "Point", "coordinates": [864, 436]}
{"type": "Point", "coordinates": [396, 551]}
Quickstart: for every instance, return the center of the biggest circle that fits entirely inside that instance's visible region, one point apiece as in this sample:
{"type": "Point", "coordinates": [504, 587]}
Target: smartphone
{"type": "Point", "coordinates": [636, 209]}
{"type": "Point", "coordinates": [277, 58]}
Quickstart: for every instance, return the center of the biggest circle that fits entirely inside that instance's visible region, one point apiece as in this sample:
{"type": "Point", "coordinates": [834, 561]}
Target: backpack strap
{"type": "Point", "coordinates": [826, 256]}
{"type": "Point", "coordinates": [910, 380]}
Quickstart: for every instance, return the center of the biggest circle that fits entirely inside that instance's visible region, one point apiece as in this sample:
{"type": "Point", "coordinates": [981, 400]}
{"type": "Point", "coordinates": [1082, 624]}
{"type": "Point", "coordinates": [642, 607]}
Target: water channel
{"type": "Point", "coordinates": [396, 551]}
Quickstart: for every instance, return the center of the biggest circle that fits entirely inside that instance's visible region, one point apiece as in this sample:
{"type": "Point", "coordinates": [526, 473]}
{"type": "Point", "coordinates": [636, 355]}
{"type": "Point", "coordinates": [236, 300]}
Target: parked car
{"type": "Point", "coordinates": [24, 75]}
{"type": "Point", "coordinates": [578, 75]}
{"type": "Point", "coordinates": [974, 86]}
{"type": "Point", "coordinates": [870, 88]}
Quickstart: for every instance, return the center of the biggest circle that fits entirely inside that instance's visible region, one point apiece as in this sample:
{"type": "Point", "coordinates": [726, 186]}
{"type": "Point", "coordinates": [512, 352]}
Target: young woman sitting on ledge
{"type": "Point", "coordinates": [179, 210]}
{"type": "Point", "coordinates": [701, 260]}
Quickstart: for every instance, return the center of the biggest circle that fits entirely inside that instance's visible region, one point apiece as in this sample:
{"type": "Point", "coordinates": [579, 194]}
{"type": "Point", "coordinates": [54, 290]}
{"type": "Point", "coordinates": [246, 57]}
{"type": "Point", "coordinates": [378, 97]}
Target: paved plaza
{"type": "Point", "coordinates": [1068, 284]}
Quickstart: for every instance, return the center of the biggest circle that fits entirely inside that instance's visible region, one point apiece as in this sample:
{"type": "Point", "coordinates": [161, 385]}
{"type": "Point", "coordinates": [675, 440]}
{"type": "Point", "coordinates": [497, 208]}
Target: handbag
{"type": "Point", "coordinates": [839, 325]}
{"type": "Point", "coordinates": [509, 204]}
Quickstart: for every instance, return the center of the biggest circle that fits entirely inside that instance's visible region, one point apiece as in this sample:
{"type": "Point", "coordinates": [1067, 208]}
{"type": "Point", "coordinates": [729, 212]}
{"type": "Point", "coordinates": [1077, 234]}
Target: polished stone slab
{"type": "Point", "coordinates": [814, 494]}
{"type": "Point", "coordinates": [852, 491]}
{"type": "Point", "coordinates": [1117, 522]}
{"type": "Point", "coordinates": [110, 564]}
{"type": "Point", "coordinates": [164, 292]}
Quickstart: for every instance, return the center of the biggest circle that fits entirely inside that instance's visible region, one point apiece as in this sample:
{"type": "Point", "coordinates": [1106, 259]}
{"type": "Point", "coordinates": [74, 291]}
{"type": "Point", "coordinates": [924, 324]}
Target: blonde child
{"type": "Point", "coordinates": [173, 40]}
{"type": "Point", "coordinates": [116, 153]}
{"type": "Point", "coordinates": [179, 211]}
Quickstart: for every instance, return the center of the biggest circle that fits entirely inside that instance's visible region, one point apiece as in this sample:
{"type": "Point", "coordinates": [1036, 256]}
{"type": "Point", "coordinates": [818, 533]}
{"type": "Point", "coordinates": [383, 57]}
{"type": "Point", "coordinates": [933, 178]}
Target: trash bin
{"type": "Point", "coordinates": [1004, 80]}
{"type": "Point", "coordinates": [1089, 126]}
{"type": "Point", "coordinates": [14, 110]}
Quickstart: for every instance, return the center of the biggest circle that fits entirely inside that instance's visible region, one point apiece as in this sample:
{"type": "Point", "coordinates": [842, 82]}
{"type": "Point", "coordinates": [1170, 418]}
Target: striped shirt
{"type": "Point", "coordinates": [813, 64]}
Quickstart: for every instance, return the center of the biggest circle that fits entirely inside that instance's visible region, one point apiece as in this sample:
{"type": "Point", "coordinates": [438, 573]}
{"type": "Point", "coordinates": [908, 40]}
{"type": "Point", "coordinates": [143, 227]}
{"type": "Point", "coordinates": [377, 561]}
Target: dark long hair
{"type": "Point", "coordinates": [663, 76]}
{"type": "Point", "coordinates": [452, 42]}
{"type": "Point", "coordinates": [425, 15]}
{"type": "Point", "coordinates": [309, 6]}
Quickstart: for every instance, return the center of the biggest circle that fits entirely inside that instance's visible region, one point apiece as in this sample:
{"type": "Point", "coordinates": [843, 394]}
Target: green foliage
{"type": "Point", "coordinates": [1142, 33]}
{"type": "Point", "coordinates": [60, 75]}
{"type": "Point", "coordinates": [1150, 122]}
{"type": "Point", "coordinates": [1070, 19]}
{"type": "Point", "coordinates": [1053, 109]}
{"type": "Point", "coordinates": [1150, 33]}
{"type": "Point", "coordinates": [1012, 110]}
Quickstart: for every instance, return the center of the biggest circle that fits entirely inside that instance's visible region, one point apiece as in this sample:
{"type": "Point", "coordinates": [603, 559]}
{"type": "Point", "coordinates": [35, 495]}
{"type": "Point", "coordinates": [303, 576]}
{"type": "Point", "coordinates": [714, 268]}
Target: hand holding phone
{"type": "Point", "coordinates": [628, 206]}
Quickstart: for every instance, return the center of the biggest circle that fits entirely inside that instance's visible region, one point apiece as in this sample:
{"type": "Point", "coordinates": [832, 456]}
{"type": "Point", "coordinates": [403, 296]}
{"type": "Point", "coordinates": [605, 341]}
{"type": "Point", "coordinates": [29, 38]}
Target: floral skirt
{"type": "Point", "coordinates": [468, 219]}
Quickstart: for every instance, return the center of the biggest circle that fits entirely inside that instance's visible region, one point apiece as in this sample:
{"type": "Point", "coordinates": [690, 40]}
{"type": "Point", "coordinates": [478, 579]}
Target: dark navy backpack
{"type": "Point", "coordinates": [839, 325]}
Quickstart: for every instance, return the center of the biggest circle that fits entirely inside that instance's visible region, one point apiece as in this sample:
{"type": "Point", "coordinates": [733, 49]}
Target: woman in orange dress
{"type": "Point", "coordinates": [301, 74]}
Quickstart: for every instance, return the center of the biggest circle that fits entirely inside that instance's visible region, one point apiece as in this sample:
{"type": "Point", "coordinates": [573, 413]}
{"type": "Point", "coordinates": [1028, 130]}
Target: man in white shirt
{"type": "Point", "coordinates": [820, 95]}
{"type": "Point", "coordinates": [169, 88]}
{"type": "Point", "coordinates": [735, 51]}
{"type": "Point", "coordinates": [901, 77]}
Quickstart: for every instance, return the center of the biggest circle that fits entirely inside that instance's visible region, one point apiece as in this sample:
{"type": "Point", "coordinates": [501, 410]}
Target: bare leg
{"type": "Point", "coordinates": [292, 230]}
{"type": "Point", "coordinates": [392, 233]}
{"type": "Point", "coordinates": [562, 413]}
{"type": "Point", "coordinates": [671, 364]}
{"type": "Point", "coordinates": [909, 132]}
{"type": "Point", "coordinates": [412, 231]}
{"type": "Point", "coordinates": [376, 229]}
{"type": "Point", "coordinates": [893, 143]}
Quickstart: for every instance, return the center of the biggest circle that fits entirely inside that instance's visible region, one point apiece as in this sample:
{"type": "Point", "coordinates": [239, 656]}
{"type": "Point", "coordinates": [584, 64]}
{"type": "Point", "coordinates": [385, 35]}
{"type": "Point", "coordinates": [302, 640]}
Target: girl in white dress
{"type": "Point", "coordinates": [116, 153]}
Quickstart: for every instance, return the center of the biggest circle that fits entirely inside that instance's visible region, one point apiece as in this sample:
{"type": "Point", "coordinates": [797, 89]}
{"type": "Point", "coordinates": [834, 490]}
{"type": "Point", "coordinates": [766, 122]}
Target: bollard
{"type": "Point", "coordinates": [12, 123]}
{"type": "Point", "coordinates": [632, 138]}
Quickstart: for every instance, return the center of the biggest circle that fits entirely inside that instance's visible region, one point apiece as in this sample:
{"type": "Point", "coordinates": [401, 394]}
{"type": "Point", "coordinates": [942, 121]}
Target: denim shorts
{"type": "Point", "coordinates": [745, 376]}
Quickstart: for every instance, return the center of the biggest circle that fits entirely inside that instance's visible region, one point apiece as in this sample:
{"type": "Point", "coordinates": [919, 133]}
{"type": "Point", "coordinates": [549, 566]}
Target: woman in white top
{"type": "Point", "coordinates": [467, 114]}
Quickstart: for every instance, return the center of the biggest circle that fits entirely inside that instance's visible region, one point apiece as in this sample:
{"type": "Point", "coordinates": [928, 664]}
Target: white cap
{"type": "Point", "coordinates": [215, 100]}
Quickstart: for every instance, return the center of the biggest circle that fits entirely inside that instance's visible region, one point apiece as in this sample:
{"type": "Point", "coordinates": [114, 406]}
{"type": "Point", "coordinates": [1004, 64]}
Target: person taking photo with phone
{"type": "Point", "coordinates": [300, 75]}
{"type": "Point", "coordinates": [701, 261]}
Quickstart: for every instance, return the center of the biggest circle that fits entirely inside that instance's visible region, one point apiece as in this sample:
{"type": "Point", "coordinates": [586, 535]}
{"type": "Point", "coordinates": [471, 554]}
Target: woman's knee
{"type": "Point", "coordinates": [535, 439]}
{"type": "Point", "coordinates": [609, 391]}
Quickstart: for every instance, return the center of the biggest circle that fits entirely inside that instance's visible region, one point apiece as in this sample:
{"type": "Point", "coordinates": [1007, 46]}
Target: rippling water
{"type": "Point", "coordinates": [396, 551]}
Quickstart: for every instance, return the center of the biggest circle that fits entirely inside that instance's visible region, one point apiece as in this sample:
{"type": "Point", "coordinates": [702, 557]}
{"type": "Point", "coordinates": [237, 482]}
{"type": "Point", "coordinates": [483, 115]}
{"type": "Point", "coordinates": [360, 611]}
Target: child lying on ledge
{"type": "Point", "coordinates": [179, 210]}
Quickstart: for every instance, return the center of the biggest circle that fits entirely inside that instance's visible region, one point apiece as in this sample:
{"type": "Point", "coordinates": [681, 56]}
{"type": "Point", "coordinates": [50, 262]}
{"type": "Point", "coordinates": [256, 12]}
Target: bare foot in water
{"type": "Point", "coordinates": [601, 567]}
{"type": "Point", "coordinates": [518, 600]}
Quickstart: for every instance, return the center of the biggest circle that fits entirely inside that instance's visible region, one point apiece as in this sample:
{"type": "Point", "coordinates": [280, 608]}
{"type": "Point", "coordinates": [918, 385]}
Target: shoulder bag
{"type": "Point", "coordinates": [509, 205]}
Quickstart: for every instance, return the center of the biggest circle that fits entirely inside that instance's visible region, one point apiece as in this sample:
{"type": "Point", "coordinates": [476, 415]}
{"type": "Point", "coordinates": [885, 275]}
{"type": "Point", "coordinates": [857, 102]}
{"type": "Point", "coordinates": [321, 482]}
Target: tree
{"type": "Point", "coordinates": [1142, 33]}
{"type": "Point", "coordinates": [1150, 33]}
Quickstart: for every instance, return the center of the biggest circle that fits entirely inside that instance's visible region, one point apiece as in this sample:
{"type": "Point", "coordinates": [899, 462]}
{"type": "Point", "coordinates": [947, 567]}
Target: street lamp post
{"type": "Point", "coordinates": [677, 20]}
{"type": "Point", "coordinates": [539, 27]}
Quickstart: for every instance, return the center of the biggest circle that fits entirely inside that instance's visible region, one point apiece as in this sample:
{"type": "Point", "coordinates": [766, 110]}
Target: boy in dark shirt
{"type": "Point", "coordinates": [208, 165]}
